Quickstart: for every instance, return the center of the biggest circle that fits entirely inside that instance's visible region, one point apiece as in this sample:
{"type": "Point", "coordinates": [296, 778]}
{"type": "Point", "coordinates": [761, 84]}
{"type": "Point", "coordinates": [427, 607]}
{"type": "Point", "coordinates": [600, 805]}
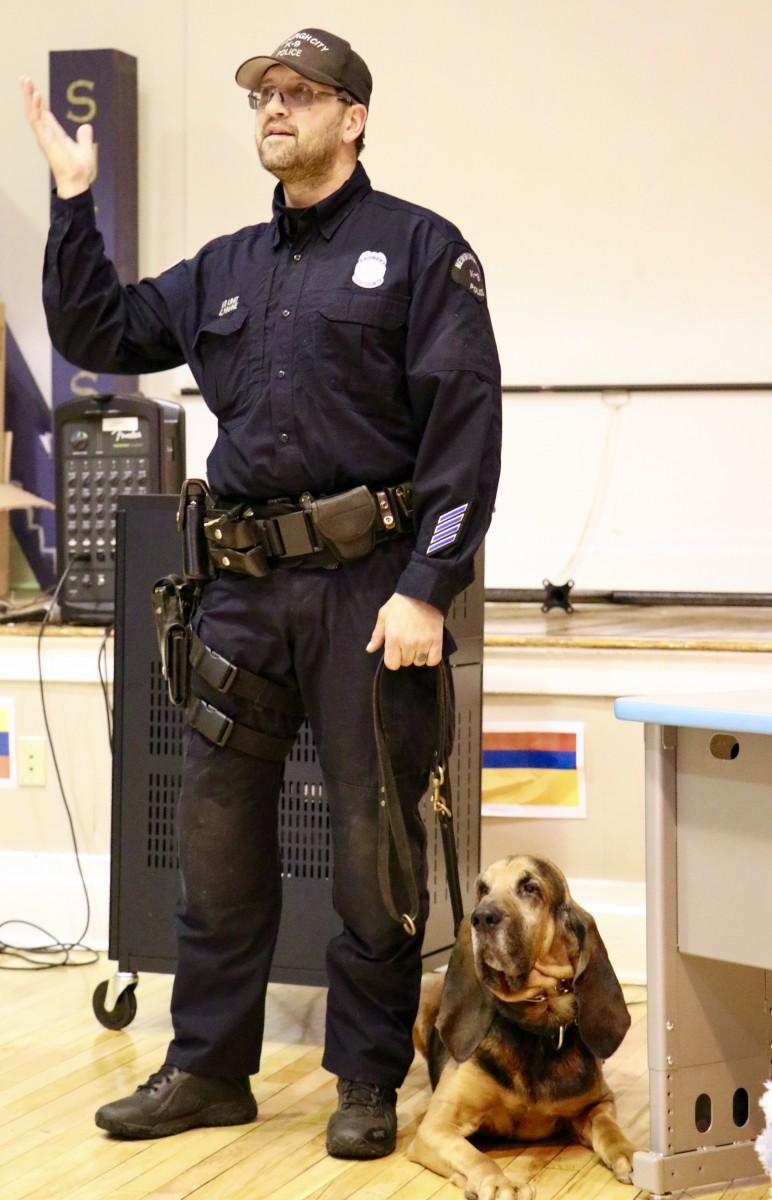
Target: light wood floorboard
{"type": "Point", "coordinates": [58, 1064]}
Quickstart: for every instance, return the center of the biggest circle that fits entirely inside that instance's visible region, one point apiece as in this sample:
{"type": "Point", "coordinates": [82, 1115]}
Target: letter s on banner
{"type": "Point", "coordinates": [76, 98]}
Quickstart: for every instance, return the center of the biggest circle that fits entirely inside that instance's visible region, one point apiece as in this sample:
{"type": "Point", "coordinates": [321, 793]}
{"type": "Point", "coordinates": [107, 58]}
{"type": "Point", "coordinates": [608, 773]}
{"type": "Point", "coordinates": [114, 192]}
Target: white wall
{"type": "Point", "coordinates": [635, 490]}
{"type": "Point", "coordinates": [609, 160]}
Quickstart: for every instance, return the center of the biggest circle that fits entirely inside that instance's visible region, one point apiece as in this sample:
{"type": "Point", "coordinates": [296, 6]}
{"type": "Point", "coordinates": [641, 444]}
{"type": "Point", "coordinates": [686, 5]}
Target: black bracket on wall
{"type": "Point", "coordinates": [557, 595]}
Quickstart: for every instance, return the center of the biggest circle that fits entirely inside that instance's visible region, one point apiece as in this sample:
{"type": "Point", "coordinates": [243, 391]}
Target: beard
{"type": "Point", "coordinates": [301, 157]}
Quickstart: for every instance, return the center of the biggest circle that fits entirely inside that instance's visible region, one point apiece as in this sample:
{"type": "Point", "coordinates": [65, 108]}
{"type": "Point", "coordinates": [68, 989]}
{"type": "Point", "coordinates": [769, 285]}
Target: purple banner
{"type": "Point", "coordinates": [99, 87]}
{"type": "Point", "coordinates": [29, 417]}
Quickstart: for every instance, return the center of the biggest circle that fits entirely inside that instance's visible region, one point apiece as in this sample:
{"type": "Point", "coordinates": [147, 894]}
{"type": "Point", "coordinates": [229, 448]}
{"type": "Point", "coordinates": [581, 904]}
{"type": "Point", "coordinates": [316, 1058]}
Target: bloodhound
{"type": "Point", "coordinates": [515, 1035]}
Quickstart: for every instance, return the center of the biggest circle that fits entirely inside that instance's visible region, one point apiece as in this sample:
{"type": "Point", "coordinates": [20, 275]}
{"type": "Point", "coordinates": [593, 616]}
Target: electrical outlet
{"type": "Point", "coordinates": [32, 761]}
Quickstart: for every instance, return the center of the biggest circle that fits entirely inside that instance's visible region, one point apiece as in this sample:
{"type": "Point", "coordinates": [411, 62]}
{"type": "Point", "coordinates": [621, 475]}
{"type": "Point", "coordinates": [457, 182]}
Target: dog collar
{"type": "Point", "coordinates": [563, 988]}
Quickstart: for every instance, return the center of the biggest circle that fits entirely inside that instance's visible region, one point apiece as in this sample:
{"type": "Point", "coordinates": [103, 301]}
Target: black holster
{"type": "Point", "coordinates": [174, 602]}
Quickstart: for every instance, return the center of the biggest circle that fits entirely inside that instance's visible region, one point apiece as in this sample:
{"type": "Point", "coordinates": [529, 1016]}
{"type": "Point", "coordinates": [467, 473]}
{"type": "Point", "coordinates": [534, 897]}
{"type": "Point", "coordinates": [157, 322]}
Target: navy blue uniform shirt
{"type": "Point", "coordinates": [351, 346]}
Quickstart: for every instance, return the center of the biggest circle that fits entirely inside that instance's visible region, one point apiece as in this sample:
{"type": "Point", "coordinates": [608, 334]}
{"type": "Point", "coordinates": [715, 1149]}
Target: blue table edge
{"type": "Point", "coordinates": [738, 715]}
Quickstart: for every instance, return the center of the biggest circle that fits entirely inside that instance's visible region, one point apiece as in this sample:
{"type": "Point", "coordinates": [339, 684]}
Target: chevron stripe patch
{"type": "Point", "coordinates": [446, 529]}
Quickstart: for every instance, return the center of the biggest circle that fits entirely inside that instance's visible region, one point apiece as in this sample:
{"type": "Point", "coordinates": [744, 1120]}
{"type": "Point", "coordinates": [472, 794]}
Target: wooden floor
{"type": "Point", "coordinates": [57, 1065]}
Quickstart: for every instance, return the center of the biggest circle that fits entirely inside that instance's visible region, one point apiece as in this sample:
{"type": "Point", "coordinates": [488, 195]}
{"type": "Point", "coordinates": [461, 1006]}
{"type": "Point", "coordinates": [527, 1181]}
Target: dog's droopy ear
{"type": "Point", "coordinates": [465, 1011]}
{"type": "Point", "coordinates": [602, 1014]}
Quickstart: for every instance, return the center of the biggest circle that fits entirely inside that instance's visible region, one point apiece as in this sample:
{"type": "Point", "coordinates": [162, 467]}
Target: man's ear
{"type": "Point", "coordinates": [354, 125]}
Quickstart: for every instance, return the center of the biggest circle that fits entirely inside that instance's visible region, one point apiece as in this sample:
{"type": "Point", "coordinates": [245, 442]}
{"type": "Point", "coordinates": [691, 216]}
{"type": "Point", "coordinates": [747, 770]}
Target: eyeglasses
{"type": "Point", "coordinates": [297, 96]}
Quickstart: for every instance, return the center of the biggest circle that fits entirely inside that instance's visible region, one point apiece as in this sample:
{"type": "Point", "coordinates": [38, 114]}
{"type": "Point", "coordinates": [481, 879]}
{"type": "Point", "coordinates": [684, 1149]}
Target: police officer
{"type": "Point", "coordinates": [347, 352]}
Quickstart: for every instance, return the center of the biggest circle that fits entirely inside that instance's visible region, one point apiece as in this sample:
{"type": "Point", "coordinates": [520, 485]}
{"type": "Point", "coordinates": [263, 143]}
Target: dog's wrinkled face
{"type": "Point", "coordinates": [522, 947]}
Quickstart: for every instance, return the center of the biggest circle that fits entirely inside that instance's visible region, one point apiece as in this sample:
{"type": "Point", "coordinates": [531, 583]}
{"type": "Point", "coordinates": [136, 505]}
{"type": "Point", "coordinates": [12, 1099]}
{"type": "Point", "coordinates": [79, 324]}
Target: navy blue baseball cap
{"type": "Point", "coordinates": [316, 55]}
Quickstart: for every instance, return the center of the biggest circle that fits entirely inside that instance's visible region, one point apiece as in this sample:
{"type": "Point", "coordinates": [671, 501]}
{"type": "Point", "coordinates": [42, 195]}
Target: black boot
{"type": "Point", "coordinates": [365, 1123]}
{"type": "Point", "coordinates": [172, 1101]}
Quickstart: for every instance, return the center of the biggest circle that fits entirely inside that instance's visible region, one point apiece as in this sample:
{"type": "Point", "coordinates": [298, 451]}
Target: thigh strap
{"type": "Point", "coordinates": [218, 728]}
{"type": "Point", "coordinates": [227, 678]}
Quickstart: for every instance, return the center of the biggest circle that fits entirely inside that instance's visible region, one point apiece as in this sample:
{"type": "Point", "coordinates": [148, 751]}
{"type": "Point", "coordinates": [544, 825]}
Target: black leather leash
{"type": "Point", "coordinates": [392, 836]}
{"type": "Point", "coordinates": [442, 797]}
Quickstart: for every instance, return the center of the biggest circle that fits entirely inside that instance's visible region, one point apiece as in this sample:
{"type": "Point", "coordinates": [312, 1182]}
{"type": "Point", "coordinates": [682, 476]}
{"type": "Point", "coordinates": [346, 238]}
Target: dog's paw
{"type": "Point", "coordinates": [497, 1187]}
{"type": "Point", "coordinates": [622, 1166]}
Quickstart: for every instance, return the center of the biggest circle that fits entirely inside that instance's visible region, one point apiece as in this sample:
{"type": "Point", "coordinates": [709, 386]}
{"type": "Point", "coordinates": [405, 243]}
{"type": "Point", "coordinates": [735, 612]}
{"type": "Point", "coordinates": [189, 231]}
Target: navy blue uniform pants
{"type": "Point", "coordinates": [307, 628]}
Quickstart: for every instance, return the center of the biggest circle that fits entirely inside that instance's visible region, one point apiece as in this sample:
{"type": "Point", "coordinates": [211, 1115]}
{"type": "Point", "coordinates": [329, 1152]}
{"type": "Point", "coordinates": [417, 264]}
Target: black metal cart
{"type": "Point", "coordinates": [147, 763]}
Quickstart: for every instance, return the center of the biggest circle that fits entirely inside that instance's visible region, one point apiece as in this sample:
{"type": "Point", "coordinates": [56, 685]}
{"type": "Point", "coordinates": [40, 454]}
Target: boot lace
{"type": "Point", "coordinates": [158, 1078]}
{"type": "Point", "coordinates": [361, 1095]}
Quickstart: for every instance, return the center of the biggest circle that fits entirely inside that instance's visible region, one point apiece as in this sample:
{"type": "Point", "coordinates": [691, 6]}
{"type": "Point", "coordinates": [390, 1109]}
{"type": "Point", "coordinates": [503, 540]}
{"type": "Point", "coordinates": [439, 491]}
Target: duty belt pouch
{"type": "Point", "coordinates": [195, 497]}
{"type": "Point", "coordinates": [173, 606]}
{"type": "Point", "coordinates": [346, 524]}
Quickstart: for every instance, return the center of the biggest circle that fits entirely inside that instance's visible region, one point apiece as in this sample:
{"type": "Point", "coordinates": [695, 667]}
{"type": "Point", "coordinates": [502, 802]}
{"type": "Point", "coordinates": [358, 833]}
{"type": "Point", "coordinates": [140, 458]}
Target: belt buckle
{"type": "Point", "coordinates": [295, 533]}
{"type": "Point", "coordinates": [226, 730]}
{"type": "Point", "coordinates": [230, 671]}
{"type": "Point", "coordinates": [218, 733]}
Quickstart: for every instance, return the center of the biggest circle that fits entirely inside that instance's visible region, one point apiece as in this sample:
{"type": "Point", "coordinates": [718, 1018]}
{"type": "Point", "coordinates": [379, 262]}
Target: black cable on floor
{"type": "Point", "coordinates": [63, 950]}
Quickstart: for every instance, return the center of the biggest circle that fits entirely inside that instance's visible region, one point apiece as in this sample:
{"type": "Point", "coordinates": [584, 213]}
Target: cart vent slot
{"type": "Point", "coordinates": [166, 721]}
{"type": "Point", "coordinates": [703, 1113]}
{"type": "Point", "coordinates": [724, 745]}
{"type": "Point", "coordinates": [740, 1108]}
{"type": "Point", "coordinates": [304, 831]}
{"type": "Point", "coordinates": [304, 750]}
{"type": "Point", "coordinates": [163, 789]}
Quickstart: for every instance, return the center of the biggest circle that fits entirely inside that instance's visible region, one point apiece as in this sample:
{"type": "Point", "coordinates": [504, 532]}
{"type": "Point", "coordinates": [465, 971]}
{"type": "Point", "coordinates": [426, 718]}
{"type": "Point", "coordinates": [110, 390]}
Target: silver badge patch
{"type": "Point", "coordinates": [370, 270]}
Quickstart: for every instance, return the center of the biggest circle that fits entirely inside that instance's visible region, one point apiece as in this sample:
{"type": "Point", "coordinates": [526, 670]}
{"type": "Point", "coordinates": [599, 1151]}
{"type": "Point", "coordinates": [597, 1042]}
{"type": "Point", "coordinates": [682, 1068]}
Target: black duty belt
{"type": "Point", "coordinates": [251, 538]}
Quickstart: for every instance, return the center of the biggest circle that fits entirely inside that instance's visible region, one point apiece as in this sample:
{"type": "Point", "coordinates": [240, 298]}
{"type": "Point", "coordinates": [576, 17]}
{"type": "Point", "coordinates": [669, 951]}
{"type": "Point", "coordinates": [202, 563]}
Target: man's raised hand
{"type": "Point", "coordinates": [72, 161]}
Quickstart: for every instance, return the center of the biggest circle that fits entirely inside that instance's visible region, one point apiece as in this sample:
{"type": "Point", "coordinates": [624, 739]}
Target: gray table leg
{"type": "Point", "coordinates": [708, 1022]}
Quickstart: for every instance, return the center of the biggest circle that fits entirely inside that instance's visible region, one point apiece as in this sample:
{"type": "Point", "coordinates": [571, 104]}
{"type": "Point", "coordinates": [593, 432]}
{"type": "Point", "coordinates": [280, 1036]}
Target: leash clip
{"type": "Point", "coordinates": [438, 804]}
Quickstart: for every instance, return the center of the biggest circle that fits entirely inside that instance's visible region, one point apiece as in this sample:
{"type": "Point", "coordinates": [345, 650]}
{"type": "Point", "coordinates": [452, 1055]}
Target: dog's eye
{"type": "Point", "coordinates": [482, 889]}
{"type": "Point", "coordinates": [528, 887]}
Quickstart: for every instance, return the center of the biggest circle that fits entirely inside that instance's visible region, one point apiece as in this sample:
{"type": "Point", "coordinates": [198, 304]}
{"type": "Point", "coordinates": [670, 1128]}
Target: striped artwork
{"type": "Point", "coordinates": [6, 742]}
{"type": "Point", "coordinates": [533, 769]}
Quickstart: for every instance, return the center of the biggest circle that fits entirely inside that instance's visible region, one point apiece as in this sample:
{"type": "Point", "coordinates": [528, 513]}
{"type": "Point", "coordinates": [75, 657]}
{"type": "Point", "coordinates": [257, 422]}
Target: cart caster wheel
{"type": "Point", "coordinates": [125, 1006]}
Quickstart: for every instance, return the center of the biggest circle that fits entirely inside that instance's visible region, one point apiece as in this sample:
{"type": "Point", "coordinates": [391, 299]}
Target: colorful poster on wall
{"type": "Point", "coordinates": [7, 744]}
{"type": "Point", "coordinates": [533, 769]}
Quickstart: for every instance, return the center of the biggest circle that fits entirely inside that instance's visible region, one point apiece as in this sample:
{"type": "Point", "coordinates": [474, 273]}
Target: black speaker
{"type": "Point", "coordinates": [144, 883]}
{"type": "Point", "coordinates": [106, 447]}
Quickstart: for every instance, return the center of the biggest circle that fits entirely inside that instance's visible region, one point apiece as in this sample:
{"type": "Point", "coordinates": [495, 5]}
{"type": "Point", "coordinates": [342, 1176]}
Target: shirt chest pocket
{"type": "Point", "coordinates": [228, 359]}
{"type": "Point", "coordinates": [359, 344]}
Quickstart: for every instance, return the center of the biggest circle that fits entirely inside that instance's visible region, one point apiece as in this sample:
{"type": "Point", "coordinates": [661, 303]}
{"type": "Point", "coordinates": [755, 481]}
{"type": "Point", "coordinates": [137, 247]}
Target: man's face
{"type": "Point", "coordinates": [301, 145]}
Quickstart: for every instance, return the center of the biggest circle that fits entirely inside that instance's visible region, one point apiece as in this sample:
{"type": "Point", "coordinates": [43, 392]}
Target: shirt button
{"type": "Point", "coordinates": [281, 374]}
{"type": "Point", "coordinates": [284, 438]}
{"type": "Point", "coordinates": [286, 312]}
{"type": "Point", "coordinates": [297, 257]}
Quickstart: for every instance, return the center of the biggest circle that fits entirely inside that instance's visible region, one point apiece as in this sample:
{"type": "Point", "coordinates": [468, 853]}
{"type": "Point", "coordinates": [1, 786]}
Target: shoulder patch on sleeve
{"type": "Point", "coordinates": [467, 273]}
{"type": "Point", "coordinates": [447, 527]}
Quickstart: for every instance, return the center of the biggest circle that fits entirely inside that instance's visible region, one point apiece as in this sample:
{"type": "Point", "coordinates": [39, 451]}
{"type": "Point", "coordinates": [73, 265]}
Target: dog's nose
{"type": "Point", "coordinates": [485, 916]}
